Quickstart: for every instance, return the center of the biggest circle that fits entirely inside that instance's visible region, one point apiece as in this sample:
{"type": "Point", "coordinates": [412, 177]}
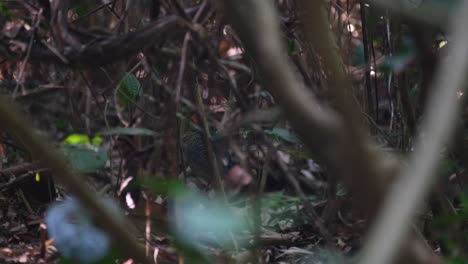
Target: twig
{"type": "Point", "coordinates": [28, 52]}
{"type": "Point", "coordinates": [106, 49]}
{"type": "Point", "coordinates": [365, 43]}
{"type": "Point", "coordinates": [207, 136]}
{"type": "Point", "coordinates": [310, 210]}
{"type": "Point", "coordinates": [20, 179]}
{"type": "Point", "coordinates": [183, 55]}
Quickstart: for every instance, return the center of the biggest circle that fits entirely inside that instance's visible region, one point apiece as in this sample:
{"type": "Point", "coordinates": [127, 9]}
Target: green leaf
{"type": "Point", "coordinates": [96, 141]}
{"type": "Point", "coordinates": [293, 47]}
{"type": "Point", "coordinates": [448, 167]}
{"type": "Point", "coordinates": [77, 139]}
{"type": "Point", "coordinates": [161, 64]}
{"type": "Point", "coordinates": [358, 56]}
{"type": "Point", "coordinates": [456, 260]}
{"type": "Point", "coordinates": [284, 134]}
{"type": "Point", "coordinates": [111, 256]}
{"type": "Point", "coordinates": [401, 59]}
{"type": "Point", "coordinates": [131, 131]}
{"type": "Point", "coordinates": [129, 89]}
{"type": "Point", "coordinates": [191, 253]}
{"type": "Point", "coordinates": [300, 154]}
{"type": "Point", "coordinates": [198, 217]}
{"type": "Point", "coordinates": [82, 8]}
{"type": "Point", "coordinates": [4, 12]}
{"type": "Point", "coordinates": [165, 187]}
{"type": "Point", "coordinates": [85, 158]}
{"type": "Point", "coordinates": [64, 260]}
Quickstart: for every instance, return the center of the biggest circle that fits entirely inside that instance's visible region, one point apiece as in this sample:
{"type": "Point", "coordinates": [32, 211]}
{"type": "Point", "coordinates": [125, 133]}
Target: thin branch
{"type": "Point", "coordinates": [207, 137]}
{"type": "Point", "coordinates": [103, 49]}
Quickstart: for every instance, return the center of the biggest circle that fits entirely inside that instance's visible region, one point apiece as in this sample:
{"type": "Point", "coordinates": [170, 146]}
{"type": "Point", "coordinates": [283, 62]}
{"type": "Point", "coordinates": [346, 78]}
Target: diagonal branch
{"type": "Point", "coordinates": [97, 49]}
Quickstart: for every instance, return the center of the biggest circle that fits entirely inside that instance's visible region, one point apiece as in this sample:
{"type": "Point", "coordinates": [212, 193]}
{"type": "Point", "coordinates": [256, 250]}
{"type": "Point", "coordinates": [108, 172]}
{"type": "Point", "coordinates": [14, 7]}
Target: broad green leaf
{"type": "Point", "coordinates": [85, 158]}
{"type": "Point", "coordinates": [131, 131]}
{"type": "Point", "coordinates": [129, 89]}
{"type": "Point", "coordinates": [199, 219]}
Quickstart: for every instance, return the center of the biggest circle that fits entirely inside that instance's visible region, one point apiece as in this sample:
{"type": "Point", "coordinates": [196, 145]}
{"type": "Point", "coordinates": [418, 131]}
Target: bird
{"type": "Point", "coordinates": [196, 155]}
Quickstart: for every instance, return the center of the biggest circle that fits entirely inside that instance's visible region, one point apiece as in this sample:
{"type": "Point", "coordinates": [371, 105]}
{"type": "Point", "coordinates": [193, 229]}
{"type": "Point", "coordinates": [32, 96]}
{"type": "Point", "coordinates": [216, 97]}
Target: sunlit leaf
{"type": "Point", "coordinates": [77, 139]}
{"type": "Point", "coordinates": [96, 141]}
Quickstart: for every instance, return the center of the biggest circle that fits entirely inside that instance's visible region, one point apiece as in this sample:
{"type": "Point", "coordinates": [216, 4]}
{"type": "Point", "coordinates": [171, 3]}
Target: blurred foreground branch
{"type": "Point", "coordinates": [341, 143]}
{"type": "Point", "coordinates": [392, 225]}
{"type": "Point", "coordinates": [115, 225]}
{"type": "Point", "coordinates": [358, 163]}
